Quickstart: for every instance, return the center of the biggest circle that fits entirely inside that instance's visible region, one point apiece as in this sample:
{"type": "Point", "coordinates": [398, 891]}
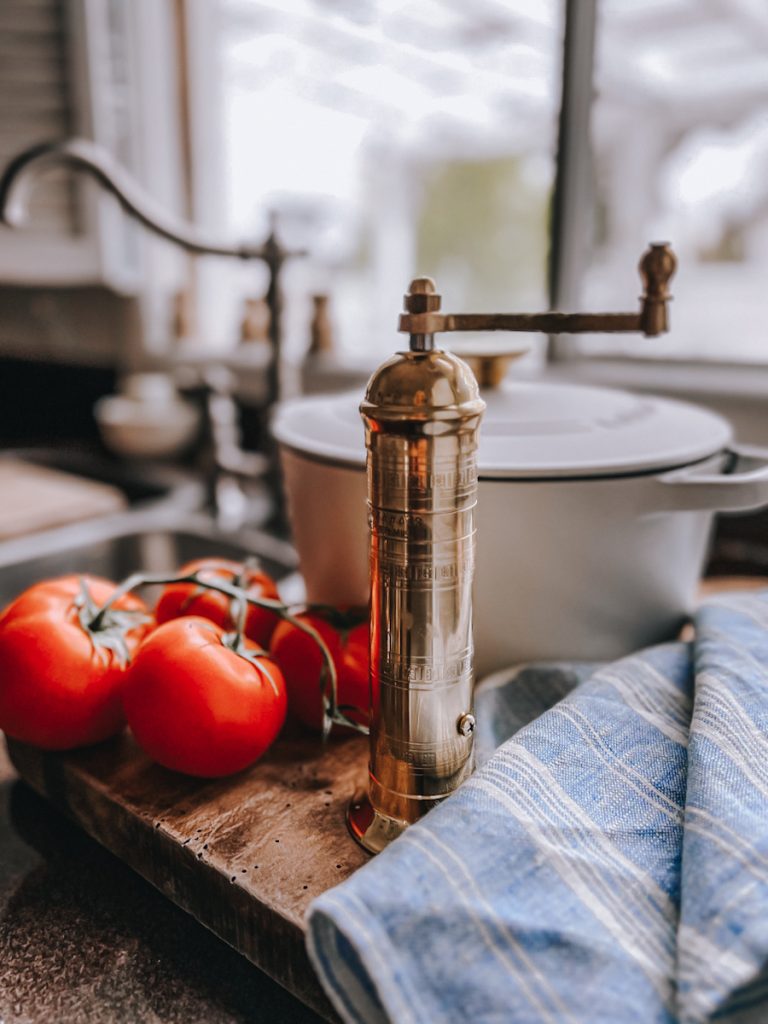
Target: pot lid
{"type": "Point", "coordinates": [533, 429]}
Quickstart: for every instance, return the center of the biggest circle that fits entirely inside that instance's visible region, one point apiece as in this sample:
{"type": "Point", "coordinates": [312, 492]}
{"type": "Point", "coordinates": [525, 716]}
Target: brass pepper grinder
{"type": "Point", "coordinates": [422, 412]}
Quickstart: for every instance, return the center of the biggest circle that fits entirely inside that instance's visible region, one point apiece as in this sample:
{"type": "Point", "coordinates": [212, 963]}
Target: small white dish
{"type": "Point", "coordinates": [148, 420]}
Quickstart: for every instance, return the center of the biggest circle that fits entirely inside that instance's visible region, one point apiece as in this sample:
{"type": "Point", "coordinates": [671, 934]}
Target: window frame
{"type": "Point", "coordinates": [711, 380]}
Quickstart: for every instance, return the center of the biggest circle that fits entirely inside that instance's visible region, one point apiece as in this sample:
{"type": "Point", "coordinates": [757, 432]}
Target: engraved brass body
{"type": "Point", "coordinates": [422, 411]}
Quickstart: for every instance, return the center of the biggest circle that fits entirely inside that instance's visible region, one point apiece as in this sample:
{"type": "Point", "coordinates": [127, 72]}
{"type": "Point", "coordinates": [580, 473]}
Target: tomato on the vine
{"type": "Point", "coordinates": [301, 661]}
{"type": "Point", "coordinates": [200, 702]}
{"type": "Point", "coordinates": [179, 599]}
{"type": "Point", "coordinates": [61, 667]}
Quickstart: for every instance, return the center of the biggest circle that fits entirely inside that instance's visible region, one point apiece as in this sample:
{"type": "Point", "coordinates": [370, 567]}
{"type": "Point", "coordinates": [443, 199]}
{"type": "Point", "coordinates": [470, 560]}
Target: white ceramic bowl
{"type": "Point", "coordinates": [136, 429]}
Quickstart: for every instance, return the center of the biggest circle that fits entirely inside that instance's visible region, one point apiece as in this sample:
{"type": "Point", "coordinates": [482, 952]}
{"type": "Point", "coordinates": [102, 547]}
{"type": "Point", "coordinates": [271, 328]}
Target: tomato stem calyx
{"type": "Point", "coordinates": [253, 655]}
{"type": "Point", "coordinates": [344, 620]}
{"type": "Point", "coordinates": [333, 713]}
{"type": "Point", "coordinates": [107, 628]}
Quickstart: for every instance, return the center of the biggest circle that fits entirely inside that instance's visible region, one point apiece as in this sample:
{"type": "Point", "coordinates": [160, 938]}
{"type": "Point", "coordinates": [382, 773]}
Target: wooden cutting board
{"type": "Point", "coordinates": [244, 855]}
{"type": "Point", "coordinates": [38, 498]}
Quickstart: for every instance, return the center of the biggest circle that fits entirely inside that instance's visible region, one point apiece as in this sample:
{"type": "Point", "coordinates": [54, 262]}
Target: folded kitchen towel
{"type": "Point", "coordinates": [609, 862]}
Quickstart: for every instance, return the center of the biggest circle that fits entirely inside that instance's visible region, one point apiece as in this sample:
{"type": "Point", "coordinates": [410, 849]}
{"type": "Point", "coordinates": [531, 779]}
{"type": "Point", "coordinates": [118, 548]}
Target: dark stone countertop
{"type": "Point", "coordinates": [84, 939]}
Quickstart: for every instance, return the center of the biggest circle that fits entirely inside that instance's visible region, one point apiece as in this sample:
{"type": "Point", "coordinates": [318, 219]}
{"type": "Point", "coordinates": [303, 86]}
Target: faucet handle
{"type": "Point", "coordinates": [657, 265]}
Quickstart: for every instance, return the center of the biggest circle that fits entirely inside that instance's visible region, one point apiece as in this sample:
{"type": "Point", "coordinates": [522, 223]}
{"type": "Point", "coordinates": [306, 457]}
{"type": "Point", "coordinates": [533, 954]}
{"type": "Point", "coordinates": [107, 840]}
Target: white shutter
{"type": "Point", "coordinates": [74, 67]}
{"type": "Point", "coordinates": [36, 102]}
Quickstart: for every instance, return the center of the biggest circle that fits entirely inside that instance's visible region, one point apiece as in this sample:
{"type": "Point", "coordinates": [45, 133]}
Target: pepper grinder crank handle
{"type": "Point", "coordinates": [657, 265]}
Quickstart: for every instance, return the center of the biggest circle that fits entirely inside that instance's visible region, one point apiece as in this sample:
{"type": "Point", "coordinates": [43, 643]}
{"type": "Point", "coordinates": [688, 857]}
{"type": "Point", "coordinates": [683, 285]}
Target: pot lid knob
{"type": "Point", "coordinates": [488, 361]}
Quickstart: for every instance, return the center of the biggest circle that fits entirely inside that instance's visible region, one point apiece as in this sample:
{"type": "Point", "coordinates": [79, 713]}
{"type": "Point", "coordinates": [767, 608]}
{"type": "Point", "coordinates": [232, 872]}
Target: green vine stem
{"type": "Point", "coordinates": [332, 712]}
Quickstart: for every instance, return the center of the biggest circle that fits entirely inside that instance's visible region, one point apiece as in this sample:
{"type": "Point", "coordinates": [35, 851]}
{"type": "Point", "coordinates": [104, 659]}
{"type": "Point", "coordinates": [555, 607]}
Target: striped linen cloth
{"type": "Point", "coordinates": [608, 862]}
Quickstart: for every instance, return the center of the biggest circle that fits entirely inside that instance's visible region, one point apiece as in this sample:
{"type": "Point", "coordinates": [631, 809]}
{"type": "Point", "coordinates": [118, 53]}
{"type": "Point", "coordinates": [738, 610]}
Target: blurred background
{"type": "Point", "coordinates": [522, 153]}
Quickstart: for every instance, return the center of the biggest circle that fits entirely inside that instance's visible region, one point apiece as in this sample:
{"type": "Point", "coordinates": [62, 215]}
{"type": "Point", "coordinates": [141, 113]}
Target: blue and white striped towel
{"type": "Point", "coordinates": [609, 862]}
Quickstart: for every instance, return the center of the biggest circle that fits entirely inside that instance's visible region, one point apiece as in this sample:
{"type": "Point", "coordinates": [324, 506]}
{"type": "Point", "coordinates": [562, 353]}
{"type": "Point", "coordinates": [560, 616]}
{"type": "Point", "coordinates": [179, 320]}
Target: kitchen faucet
{"type": "Point", "coordinates": [82, 154]}
{"type": "Point", "coordinates": [15, 188]}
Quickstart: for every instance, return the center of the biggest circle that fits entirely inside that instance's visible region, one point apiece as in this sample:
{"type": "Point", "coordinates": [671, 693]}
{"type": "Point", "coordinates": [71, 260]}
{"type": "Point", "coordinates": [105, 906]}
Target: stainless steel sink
{"type": "Point", "coordinates": [157, 541]}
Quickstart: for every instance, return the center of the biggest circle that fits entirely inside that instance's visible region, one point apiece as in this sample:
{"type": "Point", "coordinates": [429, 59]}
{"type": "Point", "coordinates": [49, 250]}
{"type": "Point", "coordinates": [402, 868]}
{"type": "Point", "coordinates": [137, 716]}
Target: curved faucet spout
{"type": "Point", "coordinates": [82, 154]}
{"type": "Point", "coordinates": [19, 176]}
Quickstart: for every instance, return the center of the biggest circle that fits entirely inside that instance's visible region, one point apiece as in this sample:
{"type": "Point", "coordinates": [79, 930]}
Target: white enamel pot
{"type": "Point", "coordinates": [595, 511]}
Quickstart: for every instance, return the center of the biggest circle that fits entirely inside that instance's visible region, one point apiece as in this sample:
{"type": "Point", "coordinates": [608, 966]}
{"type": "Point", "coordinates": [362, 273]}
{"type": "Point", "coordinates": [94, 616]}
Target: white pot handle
{"type": "Point", "coordinates": [694, 489]}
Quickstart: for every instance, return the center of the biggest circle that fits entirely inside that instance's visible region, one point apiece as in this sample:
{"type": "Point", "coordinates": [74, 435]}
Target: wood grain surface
{"type": "Point", "coordinates": [244, 855]}
{"type": "Point", "coordinates": [37, 498]}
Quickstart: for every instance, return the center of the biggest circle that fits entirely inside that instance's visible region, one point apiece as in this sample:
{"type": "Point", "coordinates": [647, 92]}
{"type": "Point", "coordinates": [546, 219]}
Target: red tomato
{"type": "Point", "coordinates": [59, 683]}
{"type": "Point", "coordinates": [196, 706]}
{"type": "Point", "coordinates": [179, 599]}
{"type": "Point", "coordinates": [301, 661]}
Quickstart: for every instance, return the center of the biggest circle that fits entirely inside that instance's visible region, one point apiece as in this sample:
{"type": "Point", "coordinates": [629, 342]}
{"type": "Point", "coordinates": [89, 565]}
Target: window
{"type": "Point", "coordinates": [389, 138]}
{"type": "Point", "coordinates": [394, 137]}
{"type": "Point", "coordinates": [680, 153]}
